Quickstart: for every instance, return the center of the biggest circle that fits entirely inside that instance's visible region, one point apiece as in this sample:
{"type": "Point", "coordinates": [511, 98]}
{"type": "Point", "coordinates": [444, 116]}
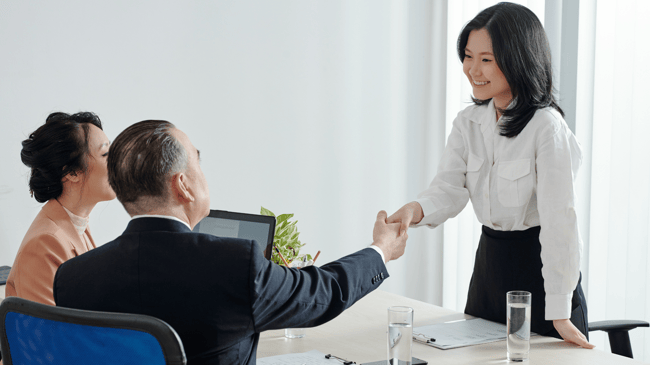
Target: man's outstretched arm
{"type": "Point", "coordinates": [283, 298]}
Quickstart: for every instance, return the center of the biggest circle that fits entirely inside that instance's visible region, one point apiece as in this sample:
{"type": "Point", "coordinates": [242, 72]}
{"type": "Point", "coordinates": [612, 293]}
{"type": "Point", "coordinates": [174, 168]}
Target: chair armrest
{"type": "Point", "coordinates": [620, 325]}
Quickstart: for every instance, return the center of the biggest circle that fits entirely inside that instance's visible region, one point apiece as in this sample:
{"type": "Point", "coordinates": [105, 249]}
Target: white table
{"type": "Point", "coordinates": [359, 334]}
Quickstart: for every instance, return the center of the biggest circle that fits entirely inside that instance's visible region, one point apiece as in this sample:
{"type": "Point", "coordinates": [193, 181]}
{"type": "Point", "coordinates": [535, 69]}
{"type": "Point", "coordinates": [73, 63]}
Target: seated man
{"type": "Point", "coordinates": [217, 293]}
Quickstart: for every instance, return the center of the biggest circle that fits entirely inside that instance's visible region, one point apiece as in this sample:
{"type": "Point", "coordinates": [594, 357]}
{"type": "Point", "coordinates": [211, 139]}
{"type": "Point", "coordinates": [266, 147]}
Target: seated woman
{"type": "Point", "coordinates": [67, 156]}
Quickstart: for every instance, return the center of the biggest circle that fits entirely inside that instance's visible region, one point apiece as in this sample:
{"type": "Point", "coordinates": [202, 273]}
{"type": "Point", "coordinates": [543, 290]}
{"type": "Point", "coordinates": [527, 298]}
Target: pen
{"type": "Point", "coordinates": [426, 342]}
{"type": "Point", "coordinates": [344, 361]}
{"type": "Point", "coordinates": [279, 254]}
{"type": "Point", "coordinates": [315, 257]}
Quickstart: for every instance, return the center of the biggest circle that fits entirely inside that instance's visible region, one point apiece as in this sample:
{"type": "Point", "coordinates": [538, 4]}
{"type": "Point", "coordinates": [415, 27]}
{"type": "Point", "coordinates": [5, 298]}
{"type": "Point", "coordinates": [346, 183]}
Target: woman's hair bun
{"type": "Point", "coordinates": [56, 149]}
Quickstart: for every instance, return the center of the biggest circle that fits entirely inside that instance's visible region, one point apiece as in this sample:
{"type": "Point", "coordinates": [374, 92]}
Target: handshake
{"type": "Point", "coordinates": [390, 233]}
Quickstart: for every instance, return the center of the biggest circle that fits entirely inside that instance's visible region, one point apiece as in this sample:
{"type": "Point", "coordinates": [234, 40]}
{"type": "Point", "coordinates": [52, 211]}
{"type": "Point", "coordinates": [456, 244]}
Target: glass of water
{"type": "Point", "coordinates": [400, 335]}
{"type": "Point", "coordinates": [518, 325]}
{"type": "Point", "coordinates": [295, 332]}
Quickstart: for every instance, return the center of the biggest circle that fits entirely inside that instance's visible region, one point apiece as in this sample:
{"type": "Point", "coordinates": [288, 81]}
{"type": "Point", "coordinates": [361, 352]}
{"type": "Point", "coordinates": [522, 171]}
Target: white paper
{"type": "Point", "coordinates": [313, 357]}
{"type": "Point", "coordinates": [461, 333]}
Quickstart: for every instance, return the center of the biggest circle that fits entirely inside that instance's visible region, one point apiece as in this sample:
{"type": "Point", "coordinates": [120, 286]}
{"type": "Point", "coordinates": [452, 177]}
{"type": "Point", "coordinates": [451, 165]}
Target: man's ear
{"type": "Point", "coordinates": [181, 188]}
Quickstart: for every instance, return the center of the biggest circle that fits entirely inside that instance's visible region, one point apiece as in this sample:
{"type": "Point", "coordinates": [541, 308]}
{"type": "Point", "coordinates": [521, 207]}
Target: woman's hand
{"type": "Point", "coordinates": [571, 334]}
{"type": "Point", "coordinates": [410, 213]}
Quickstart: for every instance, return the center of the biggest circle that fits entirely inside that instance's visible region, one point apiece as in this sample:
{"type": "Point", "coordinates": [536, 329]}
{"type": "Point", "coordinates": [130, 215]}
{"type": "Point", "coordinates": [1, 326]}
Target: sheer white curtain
{"type": "Point", "coordinates": [615, 126]}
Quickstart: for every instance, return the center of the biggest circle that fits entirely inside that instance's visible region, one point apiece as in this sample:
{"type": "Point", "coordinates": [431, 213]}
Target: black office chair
{"type": "Point", "coordinates": [618, 332]}
{"type": "Point", "coordinates": [4, 274]}
{"type": "Point", "coordinates": [34, 333]}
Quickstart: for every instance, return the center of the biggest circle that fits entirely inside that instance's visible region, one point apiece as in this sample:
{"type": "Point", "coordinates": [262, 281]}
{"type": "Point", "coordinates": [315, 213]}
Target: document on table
{"type": "Point", "coordinates": [465, 332]}
{"type": "Point", "coordinates": [313, 357]}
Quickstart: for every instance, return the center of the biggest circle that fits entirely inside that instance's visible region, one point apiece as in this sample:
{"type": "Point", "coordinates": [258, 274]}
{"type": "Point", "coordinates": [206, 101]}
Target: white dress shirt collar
{"type": "Point", "coordinates": [482, 116]}
{"type": "Point", "coordinates": [161, 216]}
{"type": "Point", "coordinates": [478, 114]}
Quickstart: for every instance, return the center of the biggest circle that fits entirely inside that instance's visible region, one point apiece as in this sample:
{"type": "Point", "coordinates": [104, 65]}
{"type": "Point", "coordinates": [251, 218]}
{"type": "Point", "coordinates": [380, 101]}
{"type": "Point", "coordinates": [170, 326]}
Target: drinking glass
{"type": "Point", "coordinates": [400, 335]}
{"type": "Point", "coordinates": [295, 332]}
{"type": "Point", "coordinates": [518, 325]}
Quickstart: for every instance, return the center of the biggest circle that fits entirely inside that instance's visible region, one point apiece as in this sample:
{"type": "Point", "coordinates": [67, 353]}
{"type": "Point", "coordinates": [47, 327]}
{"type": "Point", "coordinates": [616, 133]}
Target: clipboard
{"type": "Point", "coordinates": [414, 361]}
{"type": "Point", "coordinates": [460, 333]}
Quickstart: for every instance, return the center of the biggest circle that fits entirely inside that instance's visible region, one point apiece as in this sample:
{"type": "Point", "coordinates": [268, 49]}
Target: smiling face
{"type": "Point", "coordinates": [95, 182]}
{"type": "Point", "coordinates": [480, 67]}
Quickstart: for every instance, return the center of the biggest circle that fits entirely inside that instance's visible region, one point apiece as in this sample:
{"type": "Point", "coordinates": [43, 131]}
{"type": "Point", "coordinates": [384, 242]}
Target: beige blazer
{"type": "Point", "coordinates": [50, 241]}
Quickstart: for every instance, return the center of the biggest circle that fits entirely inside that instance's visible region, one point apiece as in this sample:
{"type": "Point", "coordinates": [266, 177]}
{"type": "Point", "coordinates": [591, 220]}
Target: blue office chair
{"type": "Point", "coordinates": [34, 333]}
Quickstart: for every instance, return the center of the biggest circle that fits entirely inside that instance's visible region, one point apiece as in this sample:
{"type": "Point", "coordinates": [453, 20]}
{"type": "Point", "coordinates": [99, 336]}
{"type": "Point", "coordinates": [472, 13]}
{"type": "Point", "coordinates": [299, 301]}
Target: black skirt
{"type": "Point", "coordinates": [510, 260]}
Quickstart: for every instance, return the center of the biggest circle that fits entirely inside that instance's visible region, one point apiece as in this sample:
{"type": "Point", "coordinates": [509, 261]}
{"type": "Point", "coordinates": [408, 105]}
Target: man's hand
{"type": "Point", "coordinates": [387, 238]}
{"type": "Point", "coordinates": [571, 334]}
{"type": "Point", "coordinates": [410, 213]}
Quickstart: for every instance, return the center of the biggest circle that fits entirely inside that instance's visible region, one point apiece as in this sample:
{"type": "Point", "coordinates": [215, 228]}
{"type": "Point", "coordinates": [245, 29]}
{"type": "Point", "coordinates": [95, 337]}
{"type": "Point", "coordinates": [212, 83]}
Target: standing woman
{"type": "Point", "coordinates": [67, 157]}
{"type": "Point", "coordinates": [514, 156]}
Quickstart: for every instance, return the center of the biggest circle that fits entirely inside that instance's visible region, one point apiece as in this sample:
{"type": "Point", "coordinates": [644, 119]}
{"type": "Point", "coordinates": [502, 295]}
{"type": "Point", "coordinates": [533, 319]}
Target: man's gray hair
{"type": "Point", "coordinates": [141, 161]}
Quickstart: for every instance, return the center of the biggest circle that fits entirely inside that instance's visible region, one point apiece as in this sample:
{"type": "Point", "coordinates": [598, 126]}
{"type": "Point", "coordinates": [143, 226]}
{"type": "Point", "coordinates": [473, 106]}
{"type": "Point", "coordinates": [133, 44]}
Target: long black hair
{"type": "Point", "coordinates": [522, 53]}
{"type": "Point", "coordinates": [57, 148]}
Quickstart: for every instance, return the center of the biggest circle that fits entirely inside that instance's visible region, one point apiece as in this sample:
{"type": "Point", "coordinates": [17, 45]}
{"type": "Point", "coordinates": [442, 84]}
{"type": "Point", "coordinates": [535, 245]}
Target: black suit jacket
{"type": "Point", "coordinates": [217, 293]}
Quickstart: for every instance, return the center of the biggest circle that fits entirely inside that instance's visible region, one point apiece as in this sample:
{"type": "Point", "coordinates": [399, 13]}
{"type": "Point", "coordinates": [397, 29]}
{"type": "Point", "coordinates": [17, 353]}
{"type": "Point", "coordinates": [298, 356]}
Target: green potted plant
{"type": "Point", "coordinates": [285, 239]}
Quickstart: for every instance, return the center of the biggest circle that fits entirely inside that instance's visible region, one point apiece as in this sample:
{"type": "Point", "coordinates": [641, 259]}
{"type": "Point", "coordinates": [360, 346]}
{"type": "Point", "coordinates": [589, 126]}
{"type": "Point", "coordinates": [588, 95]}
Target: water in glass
{"type": "Point", "coordinates": [399, 346]}
{"type": "Point", "coordinates": [518, 331]}
{"type": "Point", "coordinates": [295, 332]}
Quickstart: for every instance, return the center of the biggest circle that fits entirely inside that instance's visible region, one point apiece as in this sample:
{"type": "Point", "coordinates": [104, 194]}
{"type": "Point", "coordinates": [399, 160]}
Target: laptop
{"type": "Point", "coordinates": [221, 223]}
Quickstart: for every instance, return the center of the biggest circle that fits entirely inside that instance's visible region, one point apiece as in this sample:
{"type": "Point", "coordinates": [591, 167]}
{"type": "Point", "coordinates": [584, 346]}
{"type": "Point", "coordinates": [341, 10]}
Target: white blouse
{"type": "Point", "coordinates": [515, 184]}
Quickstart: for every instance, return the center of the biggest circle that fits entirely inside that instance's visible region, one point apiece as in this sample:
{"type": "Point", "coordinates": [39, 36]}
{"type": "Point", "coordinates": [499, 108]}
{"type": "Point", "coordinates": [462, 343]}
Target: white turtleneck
{"type": "Point", "coordinates": [79, 223]}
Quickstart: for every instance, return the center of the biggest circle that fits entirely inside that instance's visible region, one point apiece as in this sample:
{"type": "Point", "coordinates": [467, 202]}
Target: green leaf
{"type": "Point", "coordinates": [279, 227]}
{"type": "Point", "coordinates": [284, 217]}
{"type": "Point", "coordinates": [264, 211]}
{"type": "Point", "coordinates": [291, 230]}
{"type": "Point", "coordinates": [282, 231]}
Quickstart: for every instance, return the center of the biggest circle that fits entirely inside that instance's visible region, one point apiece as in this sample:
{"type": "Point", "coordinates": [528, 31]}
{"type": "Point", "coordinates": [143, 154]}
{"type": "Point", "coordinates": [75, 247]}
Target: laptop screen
{"type": "Point", "coordinates": [260, 228]}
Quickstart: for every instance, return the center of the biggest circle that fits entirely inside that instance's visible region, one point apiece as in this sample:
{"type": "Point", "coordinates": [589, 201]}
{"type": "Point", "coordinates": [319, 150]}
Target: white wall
{"type": "Point", "coordinates": [293, 104]}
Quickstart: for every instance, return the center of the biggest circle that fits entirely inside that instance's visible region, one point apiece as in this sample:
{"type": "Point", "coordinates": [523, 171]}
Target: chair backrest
{"type": "Point", "coordinates": [34, 333]}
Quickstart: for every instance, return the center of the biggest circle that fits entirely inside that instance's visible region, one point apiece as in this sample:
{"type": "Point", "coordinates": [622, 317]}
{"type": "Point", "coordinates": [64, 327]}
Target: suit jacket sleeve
{"type": "Point", "coordinates": [290, 298]}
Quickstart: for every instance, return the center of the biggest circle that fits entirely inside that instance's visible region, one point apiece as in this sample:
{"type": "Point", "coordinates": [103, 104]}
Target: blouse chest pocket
{"type": "Point", "coordinates": [474, 164]}
{"type": "Point", "coordinates": [515, 183]}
